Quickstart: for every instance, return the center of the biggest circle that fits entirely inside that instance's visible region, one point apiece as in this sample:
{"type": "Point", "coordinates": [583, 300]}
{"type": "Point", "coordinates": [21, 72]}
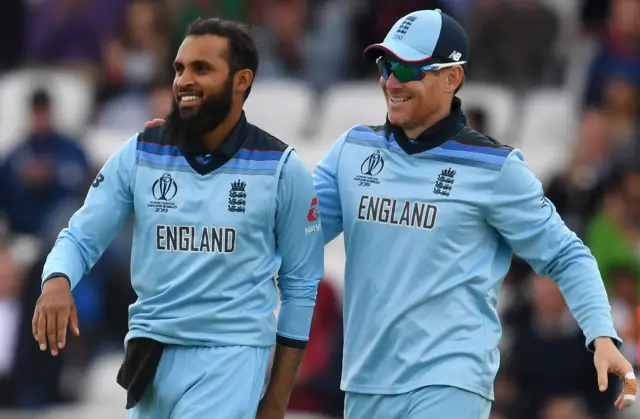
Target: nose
{"type": "Point", "coordinates": [393, 82]}
{"type": "Point", "coordinates": [185, 80]}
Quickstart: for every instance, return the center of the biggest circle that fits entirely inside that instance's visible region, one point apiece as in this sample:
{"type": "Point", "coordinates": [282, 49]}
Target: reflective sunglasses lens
{"type": "Point", "coordinates": [384, 67]}
{"type": "Point", "coordinates": [403, 73]}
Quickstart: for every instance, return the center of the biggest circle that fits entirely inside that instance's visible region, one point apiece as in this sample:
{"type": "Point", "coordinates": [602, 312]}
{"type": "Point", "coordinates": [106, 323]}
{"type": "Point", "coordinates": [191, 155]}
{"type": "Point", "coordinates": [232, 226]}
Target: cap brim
{"type": "Point", "coordinates": [399, 50]}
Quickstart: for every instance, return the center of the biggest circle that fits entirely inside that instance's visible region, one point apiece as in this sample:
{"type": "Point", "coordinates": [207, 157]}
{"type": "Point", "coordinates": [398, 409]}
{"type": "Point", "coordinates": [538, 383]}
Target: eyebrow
{"type": "Point", "coordinates": [196, 62]}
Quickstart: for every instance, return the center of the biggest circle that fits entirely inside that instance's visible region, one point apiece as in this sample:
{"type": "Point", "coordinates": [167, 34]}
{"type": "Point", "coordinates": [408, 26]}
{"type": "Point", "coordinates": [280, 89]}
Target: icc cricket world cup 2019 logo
{"type": "Point", "coordinates": [164, 189]}
{"type": "Point", "coordinates": [370, 168]}
{"type": "Point", "coordinates": [372, 165]}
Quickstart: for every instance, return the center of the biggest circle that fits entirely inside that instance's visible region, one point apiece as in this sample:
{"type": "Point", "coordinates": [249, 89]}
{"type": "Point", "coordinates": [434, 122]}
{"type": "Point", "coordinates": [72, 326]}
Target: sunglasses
{"type": "Point", "coordinates": [409, 72]}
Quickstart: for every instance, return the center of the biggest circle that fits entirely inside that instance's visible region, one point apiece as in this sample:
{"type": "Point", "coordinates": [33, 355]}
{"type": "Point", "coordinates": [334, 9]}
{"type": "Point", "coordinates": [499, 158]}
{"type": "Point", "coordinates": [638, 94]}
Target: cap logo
{"type": "Point", "coordinates": [455, 56]}
{"type": "Point", "coordinates": [404, 27]}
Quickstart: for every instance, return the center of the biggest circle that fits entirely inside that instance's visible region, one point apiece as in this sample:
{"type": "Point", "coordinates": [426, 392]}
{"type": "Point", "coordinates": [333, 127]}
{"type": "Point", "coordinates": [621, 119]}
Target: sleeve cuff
{"type": "Point", "coordinates": [291, 343]}
{"type": "Point", "coordinates": [616, 341]}
{"type": "Point", "coordinates": [55, 275]}
{"type": "Point", "coordinates": [294, 319]}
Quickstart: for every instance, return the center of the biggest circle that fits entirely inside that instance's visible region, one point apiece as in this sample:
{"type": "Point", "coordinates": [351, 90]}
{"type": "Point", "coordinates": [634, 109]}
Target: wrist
{"type": "Point", "coordinates": [602, 341]}
{"type": "Point", "coordinates": [57, 282]}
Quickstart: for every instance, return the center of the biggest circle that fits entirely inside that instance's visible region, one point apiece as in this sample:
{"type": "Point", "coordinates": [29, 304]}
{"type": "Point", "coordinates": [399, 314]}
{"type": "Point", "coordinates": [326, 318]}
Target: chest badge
{"type": "Point", "coordinates": [237, 196]}
{"type": "Point", "coordinates": [444, 183]}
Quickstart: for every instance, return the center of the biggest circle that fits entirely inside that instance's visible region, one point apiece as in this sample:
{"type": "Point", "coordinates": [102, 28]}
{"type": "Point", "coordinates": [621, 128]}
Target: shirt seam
{"type": "Point", "coordinates": [492, 195]}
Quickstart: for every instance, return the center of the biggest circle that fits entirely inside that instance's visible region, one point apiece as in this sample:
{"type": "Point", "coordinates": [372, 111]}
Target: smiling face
{"type": "Point", "coordinates": [201, 71]}
{"type": "Point", "coordinates": [203, 88]}
{"type": "Point", "coordinates": [411, 103]}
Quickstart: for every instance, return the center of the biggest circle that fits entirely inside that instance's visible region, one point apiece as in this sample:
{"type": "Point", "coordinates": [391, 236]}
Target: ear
{"type": "Point", "coordinates": [243, 80]}
{"type": "Point", "coordinates": [454, 78]}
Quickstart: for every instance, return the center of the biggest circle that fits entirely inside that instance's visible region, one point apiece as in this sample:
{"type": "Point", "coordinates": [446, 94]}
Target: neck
{"type": "Point", "coordinates": [431, 120]}
{"type": "Point", "coordinates": [213, 139]}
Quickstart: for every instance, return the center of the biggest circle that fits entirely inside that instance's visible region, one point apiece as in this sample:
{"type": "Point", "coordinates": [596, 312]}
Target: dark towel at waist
{"type": "Point", "coordinates": [138, 369]}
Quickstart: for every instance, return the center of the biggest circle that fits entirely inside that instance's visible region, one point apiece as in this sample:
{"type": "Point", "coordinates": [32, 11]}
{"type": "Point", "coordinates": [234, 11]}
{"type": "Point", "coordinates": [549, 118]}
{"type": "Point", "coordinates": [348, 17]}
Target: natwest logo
{"type": "Point", "coordinates": [314, 212]}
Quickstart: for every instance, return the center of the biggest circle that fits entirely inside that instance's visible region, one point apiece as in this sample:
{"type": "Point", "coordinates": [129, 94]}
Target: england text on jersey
{"type": "Point", "coordinates": [385, 210]}
{"type": "Point", "coordinates": [172, 238]}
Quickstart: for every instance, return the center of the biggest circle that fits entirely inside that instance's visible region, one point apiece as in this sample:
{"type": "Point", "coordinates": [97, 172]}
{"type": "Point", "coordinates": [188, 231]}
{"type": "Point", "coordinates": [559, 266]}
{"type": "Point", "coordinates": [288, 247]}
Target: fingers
{"type": "Point", "coordinates": [73, 321]}
{"type": "Point", "coordinates": [52, 332]}
{"type": "Point", "coordinates": [618, 402]}
{"type": "Point", "coordinates": [628, 396]}
{"type": "Point", "coordinates": [51, 328]}
{"type": "Point", "coordinates": [63, 320]}
{"type": "Point", "coordinates": [34, 324]}
{"type": "Point", "coordinates": [630, 388]}
{"type": "Point", "coordinates": [603, 377]}
{"type": "Point", "coordinates": [154, 123]}
{"type": "Point", "coordinates": [42, 331]}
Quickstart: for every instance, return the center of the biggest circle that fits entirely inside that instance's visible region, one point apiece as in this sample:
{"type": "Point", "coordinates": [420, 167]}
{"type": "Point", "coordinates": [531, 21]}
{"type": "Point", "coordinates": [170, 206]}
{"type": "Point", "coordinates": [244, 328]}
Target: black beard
{"type": "Point", "coordinates": [189, 129]}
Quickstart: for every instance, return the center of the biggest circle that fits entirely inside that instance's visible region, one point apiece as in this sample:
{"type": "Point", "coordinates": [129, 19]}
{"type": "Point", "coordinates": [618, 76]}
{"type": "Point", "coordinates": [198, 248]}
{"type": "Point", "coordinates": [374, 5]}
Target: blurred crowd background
{"type": "Point", "coordinates": [559, 79]}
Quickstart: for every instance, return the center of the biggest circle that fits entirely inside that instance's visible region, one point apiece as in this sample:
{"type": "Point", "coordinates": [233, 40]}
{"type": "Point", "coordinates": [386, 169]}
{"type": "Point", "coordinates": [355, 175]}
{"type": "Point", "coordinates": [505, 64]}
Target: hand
{"type": "Point", "coordinates": [154, 123]}
{"type": "Point", "coordinates": [608, 359]}
{"type": "Point", "coordinates": [55, 310]}
{"type": "Point", "coordinates": [267, 410]}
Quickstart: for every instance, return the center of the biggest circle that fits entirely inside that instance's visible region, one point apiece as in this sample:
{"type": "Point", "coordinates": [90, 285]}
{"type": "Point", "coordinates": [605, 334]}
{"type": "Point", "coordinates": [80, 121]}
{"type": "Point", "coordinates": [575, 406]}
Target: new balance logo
{"type": "Point", "coordinates": [455, 56]}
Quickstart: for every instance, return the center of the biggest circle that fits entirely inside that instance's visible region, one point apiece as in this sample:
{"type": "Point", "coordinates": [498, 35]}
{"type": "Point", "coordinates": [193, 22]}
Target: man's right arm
{"type": "Point", "coordinates": [92, 228]}
{"type": "Point", "coordinates": [325, 181]}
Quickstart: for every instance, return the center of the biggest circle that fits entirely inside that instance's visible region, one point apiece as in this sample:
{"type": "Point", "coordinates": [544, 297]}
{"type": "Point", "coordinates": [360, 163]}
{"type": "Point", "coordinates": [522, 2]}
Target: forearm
{"type": "Point", "coordinates": [283, 375]}
{"type": "Point", "coordinates": [298, 300]}
{"type": "Point", "coordinates": [581, 285]}
{"type": "Point", "coordinates": [65, 258]}
{"type": "Point", "coordinates": [294, 322]}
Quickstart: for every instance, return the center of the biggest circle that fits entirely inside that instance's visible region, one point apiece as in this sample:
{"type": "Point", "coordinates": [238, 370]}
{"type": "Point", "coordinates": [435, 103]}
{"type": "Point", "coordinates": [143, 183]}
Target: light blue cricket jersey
{"type": "Point", "coordinates": [429, 228]}
{"type": "Point", "coordinates": [210, 235]}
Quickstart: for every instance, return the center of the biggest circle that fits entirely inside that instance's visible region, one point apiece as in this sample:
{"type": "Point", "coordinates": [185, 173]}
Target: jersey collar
{"type": "Point", "coordinates": [436, 135]}
{"type": "Point", "coordinates": [204, 163]}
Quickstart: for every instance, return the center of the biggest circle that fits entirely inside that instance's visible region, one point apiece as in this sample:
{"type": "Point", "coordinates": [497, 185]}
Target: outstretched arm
{"type": "Point", "coordinates": [79, 246]}
{"type": "Point", "coordinates": [530, 224]}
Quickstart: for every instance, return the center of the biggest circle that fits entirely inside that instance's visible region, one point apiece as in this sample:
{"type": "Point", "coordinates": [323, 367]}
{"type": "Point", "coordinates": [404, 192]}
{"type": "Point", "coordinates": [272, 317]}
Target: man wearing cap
{"type": "Point", "coordinates": [432, 212]}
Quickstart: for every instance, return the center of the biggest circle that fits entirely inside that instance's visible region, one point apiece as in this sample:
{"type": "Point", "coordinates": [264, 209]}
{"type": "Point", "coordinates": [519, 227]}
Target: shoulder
{"type": "Point", "coordinates": [260, 140]}
{"type": "Point", "coordinates": [268, 146]}
{"type": "Point", "coordinates": [261, 146]}
{"type": "Point", "coordinates": [473, 148]}
{"type": "Point", "coordinates": [365, 132]}
{"type": "Point", "coordinates": [154, 135]}
{"type": "Point", "coordinates": [361, 135]}
{"type": "Point", "coordinates": [372, 129]}
{"type": "Point", "coordinates": [473, 138]}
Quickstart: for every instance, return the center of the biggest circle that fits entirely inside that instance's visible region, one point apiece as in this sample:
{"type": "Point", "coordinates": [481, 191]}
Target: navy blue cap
{"type": "Point", "coordinates": [424, 35]}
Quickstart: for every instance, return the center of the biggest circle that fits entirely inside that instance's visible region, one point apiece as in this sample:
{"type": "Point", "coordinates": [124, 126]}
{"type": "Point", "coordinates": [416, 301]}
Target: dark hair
{"type": "Point", "coordinates": [40, 99]}
{"type": "Point", "coordinates": [243, 53]}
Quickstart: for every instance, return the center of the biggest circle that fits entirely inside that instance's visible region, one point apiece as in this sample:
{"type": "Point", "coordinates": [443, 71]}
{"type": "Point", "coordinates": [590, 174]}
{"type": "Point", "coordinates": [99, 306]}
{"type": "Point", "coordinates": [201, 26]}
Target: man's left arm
{"type": "Point", "coordinates": [300, 244]}
{"type": "Point", "coordinates": [529, 223]}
